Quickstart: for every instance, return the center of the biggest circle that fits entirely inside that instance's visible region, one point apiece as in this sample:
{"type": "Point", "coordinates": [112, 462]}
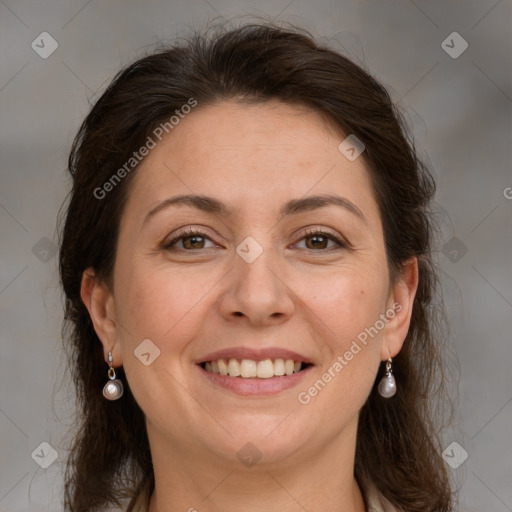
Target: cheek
{"type": "Point", "coordinates": [350, 347]}
{"type": "Point", "coordinates": [162, 304]}
{"type": "Point", "coordinates": [350, 309]}
{"type": "Point", "coordinates": [352, 302]}
{"type": "Point", "coordinates": [156, 305]}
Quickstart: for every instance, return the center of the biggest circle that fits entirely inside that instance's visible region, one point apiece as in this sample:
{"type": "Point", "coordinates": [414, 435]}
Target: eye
{"type": "Point", "coordinates": [193, 239]}
{"type": "Point", "coordinates": [190, 240]}
{"type": "Point", "coordinates": [319, 240]}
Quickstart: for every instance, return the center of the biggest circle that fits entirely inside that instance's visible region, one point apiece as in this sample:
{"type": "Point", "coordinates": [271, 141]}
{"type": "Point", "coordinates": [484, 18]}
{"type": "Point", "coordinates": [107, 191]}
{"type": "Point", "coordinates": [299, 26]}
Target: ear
{"type": "Point", "coordinates": [99, 301]}
{"type": "Point", "coordinates": [401, 299]}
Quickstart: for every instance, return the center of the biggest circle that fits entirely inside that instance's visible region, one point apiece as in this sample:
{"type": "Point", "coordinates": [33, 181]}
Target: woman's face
{"type": "Point", "coordinates": [252, 283]}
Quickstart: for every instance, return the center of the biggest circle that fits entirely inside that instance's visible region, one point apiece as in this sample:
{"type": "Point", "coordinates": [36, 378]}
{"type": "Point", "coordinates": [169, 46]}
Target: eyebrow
{"type": "Point", "coordinates": [293, 207]}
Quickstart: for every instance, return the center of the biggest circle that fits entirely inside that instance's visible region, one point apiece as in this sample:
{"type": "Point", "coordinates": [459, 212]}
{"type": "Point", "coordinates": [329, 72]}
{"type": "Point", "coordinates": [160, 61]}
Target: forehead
{"type": "Point", "coordinates": [250, 155]}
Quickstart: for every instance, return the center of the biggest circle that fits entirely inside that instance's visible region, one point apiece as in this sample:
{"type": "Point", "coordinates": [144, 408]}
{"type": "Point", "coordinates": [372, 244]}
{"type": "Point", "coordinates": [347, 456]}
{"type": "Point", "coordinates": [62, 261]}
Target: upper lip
{"type": "Point", "coordinates": [253, 354]}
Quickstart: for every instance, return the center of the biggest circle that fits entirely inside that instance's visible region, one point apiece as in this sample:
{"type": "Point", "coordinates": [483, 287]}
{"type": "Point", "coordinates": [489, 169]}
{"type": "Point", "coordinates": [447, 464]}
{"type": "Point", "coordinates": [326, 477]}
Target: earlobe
{"type": "Point", "coordinates": [401, 300]}
{"type": "Point", "coordinates": [99, 302]}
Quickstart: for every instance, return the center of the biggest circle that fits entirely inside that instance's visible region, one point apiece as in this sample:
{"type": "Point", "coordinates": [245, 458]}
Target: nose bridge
{"type": "Point", "coordinates": [256, 263]}
{"type": "Point", "coordinates": [257, 290]}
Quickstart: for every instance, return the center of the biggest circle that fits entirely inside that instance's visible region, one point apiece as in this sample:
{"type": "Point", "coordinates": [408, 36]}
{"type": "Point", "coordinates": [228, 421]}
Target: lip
{"type": "Point", "coordinates": [254, 354]}
{"type": "Point", "coordinates": [255, 386]}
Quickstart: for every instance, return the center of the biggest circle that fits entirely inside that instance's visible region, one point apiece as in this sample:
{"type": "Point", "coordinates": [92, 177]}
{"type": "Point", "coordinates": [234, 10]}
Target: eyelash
{"type": "Point", "coordinates": [309, 233]}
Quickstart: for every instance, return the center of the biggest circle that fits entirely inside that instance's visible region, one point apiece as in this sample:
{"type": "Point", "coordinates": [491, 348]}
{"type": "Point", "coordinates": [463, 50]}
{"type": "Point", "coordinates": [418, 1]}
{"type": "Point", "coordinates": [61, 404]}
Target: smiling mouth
{"type": "Point", "coordinates": [250, 369]}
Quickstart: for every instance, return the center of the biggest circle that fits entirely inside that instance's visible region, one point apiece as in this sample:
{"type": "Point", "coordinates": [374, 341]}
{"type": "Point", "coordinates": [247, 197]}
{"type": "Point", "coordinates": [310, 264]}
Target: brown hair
{"type": "Point", "coordinates": [398, 444]}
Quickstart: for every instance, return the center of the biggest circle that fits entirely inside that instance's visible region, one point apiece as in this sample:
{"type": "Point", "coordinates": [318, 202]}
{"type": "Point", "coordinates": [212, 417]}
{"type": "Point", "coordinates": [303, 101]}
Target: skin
{"type": "Point", "coordinates": [314, 300]}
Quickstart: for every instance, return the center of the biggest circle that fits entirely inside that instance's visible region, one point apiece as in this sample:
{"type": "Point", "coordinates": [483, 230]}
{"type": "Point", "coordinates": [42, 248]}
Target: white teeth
{"type": "Point", "coordinates": [265, 369]}
{"type": "Point", "coordinates": [247, 368]}
{"type": "Point", "coordinates": [279, 367]}
{"type": "Point", "coordinates": [233, 368]}
{"type": "Point", "coordinates": [223, 367]}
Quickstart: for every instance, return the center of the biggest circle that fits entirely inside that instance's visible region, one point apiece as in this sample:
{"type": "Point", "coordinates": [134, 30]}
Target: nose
{"type": "Point", "coordinates": [258, 292]}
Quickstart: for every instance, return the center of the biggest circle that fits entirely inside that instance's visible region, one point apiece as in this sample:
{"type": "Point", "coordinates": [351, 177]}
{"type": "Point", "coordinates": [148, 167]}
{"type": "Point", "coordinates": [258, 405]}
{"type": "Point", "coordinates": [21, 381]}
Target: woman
{"type": "Point", "coordinates": [246, 262]}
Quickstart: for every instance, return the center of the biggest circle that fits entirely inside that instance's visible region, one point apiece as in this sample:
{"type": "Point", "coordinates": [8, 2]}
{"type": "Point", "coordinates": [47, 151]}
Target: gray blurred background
{"type": "Point", "coordinates": [457, 100]}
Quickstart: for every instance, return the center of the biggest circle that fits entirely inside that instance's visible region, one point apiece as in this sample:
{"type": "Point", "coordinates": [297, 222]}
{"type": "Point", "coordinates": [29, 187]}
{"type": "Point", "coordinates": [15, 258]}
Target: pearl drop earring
{"type": "Point", "coordinates": [113, 389]}
{"type": "Point", "coordinates": [387, 386]}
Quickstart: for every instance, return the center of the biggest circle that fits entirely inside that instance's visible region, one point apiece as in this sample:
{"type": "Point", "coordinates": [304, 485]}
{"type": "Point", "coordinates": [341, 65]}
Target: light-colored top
{"type": "Point", "coordinates": [376, 502]}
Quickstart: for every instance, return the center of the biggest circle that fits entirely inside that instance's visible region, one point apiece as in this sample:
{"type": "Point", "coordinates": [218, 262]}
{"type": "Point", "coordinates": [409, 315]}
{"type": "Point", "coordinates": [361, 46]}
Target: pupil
{"type": "Point", "coordinates": [316, 238]}
{"type": "Point", "coordinates": [194, 239]}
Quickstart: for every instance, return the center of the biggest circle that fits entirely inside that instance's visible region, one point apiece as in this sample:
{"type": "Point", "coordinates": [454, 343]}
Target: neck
{"type": "Point", "coordinates": [323, 479]}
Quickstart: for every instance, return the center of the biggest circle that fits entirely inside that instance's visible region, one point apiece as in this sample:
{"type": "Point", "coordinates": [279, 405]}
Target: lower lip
{"type": "Point", "coordinates": [255, 386]}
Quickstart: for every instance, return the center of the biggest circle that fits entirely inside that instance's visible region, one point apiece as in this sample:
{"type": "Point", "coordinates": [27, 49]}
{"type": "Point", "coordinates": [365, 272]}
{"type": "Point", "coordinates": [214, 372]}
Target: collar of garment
{"type": "Point", "coordinates": [376, 502]}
